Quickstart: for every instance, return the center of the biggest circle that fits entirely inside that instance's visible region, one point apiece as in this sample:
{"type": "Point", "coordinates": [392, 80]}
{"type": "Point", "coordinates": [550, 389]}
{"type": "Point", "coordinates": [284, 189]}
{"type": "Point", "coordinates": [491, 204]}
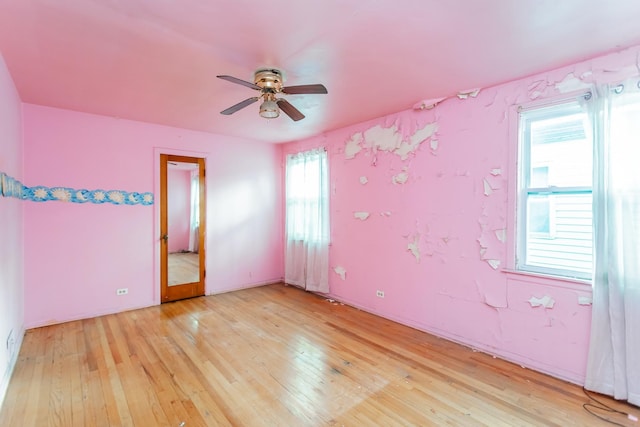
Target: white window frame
{"type": "Point", "coordinates": [540, 111]}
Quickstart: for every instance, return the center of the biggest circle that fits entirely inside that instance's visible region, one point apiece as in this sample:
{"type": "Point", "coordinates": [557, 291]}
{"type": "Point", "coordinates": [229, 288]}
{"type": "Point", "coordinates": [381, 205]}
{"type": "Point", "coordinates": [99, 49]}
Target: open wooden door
{"type": "Point", "coordinates": [182, 227]}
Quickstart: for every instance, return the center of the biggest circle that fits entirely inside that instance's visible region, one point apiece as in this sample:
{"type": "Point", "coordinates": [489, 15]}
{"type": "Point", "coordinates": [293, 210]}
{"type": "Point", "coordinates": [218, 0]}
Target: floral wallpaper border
{"type": "Point", "coordinates": [11, 187]}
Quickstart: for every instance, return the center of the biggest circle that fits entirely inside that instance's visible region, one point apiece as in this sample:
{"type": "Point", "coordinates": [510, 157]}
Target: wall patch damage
{"type": "Point", "coordinates": [353, 146]}
{"type": "Point", "coordinates": [494, 263]}
{"type": "Point", "coordinates": [471, 93]}
{"type": "Point", "coordinates": [571, 84]}
{"type": "Point", "coordinates": [401, 178]}
{"type": "Point", "coordinates": [493, 295]}
{"type": "Point", "coordinates": [585, 300]}
{"type": "Point", "coordinates": [388, 139]}
{"type": "Point", "coordinates": [434, 145]}
{"type": "Point", "coordinates": [340, 271]}
{"type": "Point", "coordinates": [487, 188]}
{"type": "Point", "coordinates": [546, 302]}
{"type": "Point", "coordinates": [361, 215]}
{"type": "Point", "coordinates": [414, 248]}
{"type": "Point", "coordinates": [428, 104]}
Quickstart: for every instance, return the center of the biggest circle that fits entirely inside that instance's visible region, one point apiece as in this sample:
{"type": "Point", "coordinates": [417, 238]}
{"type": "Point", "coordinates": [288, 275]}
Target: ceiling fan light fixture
{"type": "Point", "coordinates": [269, 109]}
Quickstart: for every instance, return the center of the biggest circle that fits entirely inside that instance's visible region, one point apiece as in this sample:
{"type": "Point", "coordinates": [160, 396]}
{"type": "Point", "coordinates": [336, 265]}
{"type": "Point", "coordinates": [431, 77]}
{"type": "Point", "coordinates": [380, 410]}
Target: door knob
{"type": "Point", "coordinates": [165, 237]}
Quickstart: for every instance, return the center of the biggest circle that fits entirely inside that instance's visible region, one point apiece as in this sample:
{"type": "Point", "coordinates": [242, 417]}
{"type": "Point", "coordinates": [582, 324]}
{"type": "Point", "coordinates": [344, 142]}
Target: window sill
{"type": "Point", "coordinates": [548, 280]}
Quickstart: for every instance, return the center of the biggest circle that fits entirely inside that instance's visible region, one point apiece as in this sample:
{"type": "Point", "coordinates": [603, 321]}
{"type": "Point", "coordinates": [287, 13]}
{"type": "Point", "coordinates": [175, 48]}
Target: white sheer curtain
{"type": "Point", "coordinates": [194, 221]}
{"type": "Point", "coordinates": [307, 221]}
{"type": "Point", "coordinates": [614, 353]}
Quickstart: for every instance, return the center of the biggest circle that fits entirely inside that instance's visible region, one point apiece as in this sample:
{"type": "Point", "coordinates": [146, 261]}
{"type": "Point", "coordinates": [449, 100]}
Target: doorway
{"type": "Point", "coordinates": [182, 227]}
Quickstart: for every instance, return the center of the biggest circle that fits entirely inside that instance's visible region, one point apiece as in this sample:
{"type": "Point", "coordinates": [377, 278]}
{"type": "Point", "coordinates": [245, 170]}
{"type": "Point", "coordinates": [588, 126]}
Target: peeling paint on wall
{"type": "Point", "coordinates": [434, 145]}
{"type": "Point", "coordinates": [400, 178]}
{"type": "Point", "coordinates": [379, 138]}
{"type": "Point", "coordinates": [388, 139]}
{"type": "Point", "coordinates": [585, 300]}
{"type": "Point", "coordinates": [570, 84]}
{"type": "Point", "coordinates": [363, 180]}
{"type": "Point", "coordinates": [428, 104]}
{"type": "Point", "coordinates": [546, 301]}
{"type": "Point", "coordinates": [487, 188]}
{"type": "Point", "coordinates": [464, 94]}
{"type": "Point", "coordinates": [353, 146]}
{"type": "Point", "coordinates": [492, 237]}
{"type": "Point", "coordinates": [414, 248]}
{"type": "Point", "coordinates": [361, 215]}
{"type": "Point", "coordinates": [385, 213]}
{"type": "Point", "coordinates": [536, 89]}
{"type": "Point", "coordinates": [484, 244]}
{"type": "Point", "coordinates": [492, 296]}
{"type": "Point", "coordinates": [491, 242]}
{"type": "Point", "coordinates": [494, 182]}
{"type": "Point", "coordinates": [491, 253]}
{"type": "Point", "coordinates": [493, 98]}
{"type": "Point", "coordinates": [421, 135]}
{"type": "Point", "coordinates": [496, 171]}
{"type": "Point", "coordinates": [494, 263]}
{"type": "Point", "coordinates": [340, 271]}
{"type": "Point", "coordinates": [491, 218]}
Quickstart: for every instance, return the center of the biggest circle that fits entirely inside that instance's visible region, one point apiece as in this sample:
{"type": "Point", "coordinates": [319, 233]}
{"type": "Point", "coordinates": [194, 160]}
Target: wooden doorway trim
{"type": "Point", "coordinates": [192, 289]}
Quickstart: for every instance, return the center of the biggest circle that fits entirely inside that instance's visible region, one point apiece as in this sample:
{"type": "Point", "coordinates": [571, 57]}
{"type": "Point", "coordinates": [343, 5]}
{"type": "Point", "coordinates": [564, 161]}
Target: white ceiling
{"type": "Point", "coordinates": [156, 60]}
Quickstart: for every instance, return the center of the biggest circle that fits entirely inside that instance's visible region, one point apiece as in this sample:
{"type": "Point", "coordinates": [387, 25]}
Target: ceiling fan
{"type": "Point", "coordinates": [270, 83]}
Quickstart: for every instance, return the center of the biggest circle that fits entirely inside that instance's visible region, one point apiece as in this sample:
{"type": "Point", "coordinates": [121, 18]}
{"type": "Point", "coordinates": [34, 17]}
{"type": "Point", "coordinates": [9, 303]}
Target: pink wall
{"type": "Point", "coordinates": [77, 255]}
{"type": "Point", "coordinates": [11, 228]}
{"type": "Point", "coordinates": [433, 204]}
{"type": "Point", "coordinates": [179, 208]}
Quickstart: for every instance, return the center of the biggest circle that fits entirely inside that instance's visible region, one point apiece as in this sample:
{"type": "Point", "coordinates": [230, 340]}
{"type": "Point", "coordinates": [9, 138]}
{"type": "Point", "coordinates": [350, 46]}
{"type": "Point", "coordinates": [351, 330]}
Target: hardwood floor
{"type": "Point", "coordinates": [183, 267]}
{"type": "Point", "coordinates": [272, 356]}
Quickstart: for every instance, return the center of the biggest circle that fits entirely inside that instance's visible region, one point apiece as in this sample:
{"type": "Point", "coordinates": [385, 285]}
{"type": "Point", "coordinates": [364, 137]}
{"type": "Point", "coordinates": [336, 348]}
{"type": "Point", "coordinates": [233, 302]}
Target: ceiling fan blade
{"type": "Point", "coordinates": [304, 89]}
{"type": "Point", "coordinates": [290, 110]}
{"type": "Point", "coordinates": [239, 106]}
{"type": "Point", "coordinates": [240, 82]}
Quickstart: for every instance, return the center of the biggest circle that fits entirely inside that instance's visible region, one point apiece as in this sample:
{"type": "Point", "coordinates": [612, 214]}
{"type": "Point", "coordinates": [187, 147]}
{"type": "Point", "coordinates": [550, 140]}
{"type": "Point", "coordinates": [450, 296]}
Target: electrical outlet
{"type": "Point", "coordinates": [380, 294]}
{"type": "Point", "coordinates": [122, 291]}
{"type": "Point", "coordinates": [11, 345]}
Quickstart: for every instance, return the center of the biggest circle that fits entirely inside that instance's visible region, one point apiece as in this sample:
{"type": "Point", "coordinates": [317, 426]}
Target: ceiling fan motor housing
{"type": "Point", "coordinates": [270, 80]}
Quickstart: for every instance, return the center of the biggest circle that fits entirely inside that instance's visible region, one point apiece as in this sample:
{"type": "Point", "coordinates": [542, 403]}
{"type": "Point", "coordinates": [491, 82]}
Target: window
{"type": "Point", "coordinates": [554, 225]}
{"type": "Point", "coordinates": [306, 257]}
{"type": "Point", "coordinates": [307, 196]}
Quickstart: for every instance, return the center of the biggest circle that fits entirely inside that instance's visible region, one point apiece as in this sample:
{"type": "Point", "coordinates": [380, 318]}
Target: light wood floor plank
{"type": "Point", "coordinates": [272, 356]}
